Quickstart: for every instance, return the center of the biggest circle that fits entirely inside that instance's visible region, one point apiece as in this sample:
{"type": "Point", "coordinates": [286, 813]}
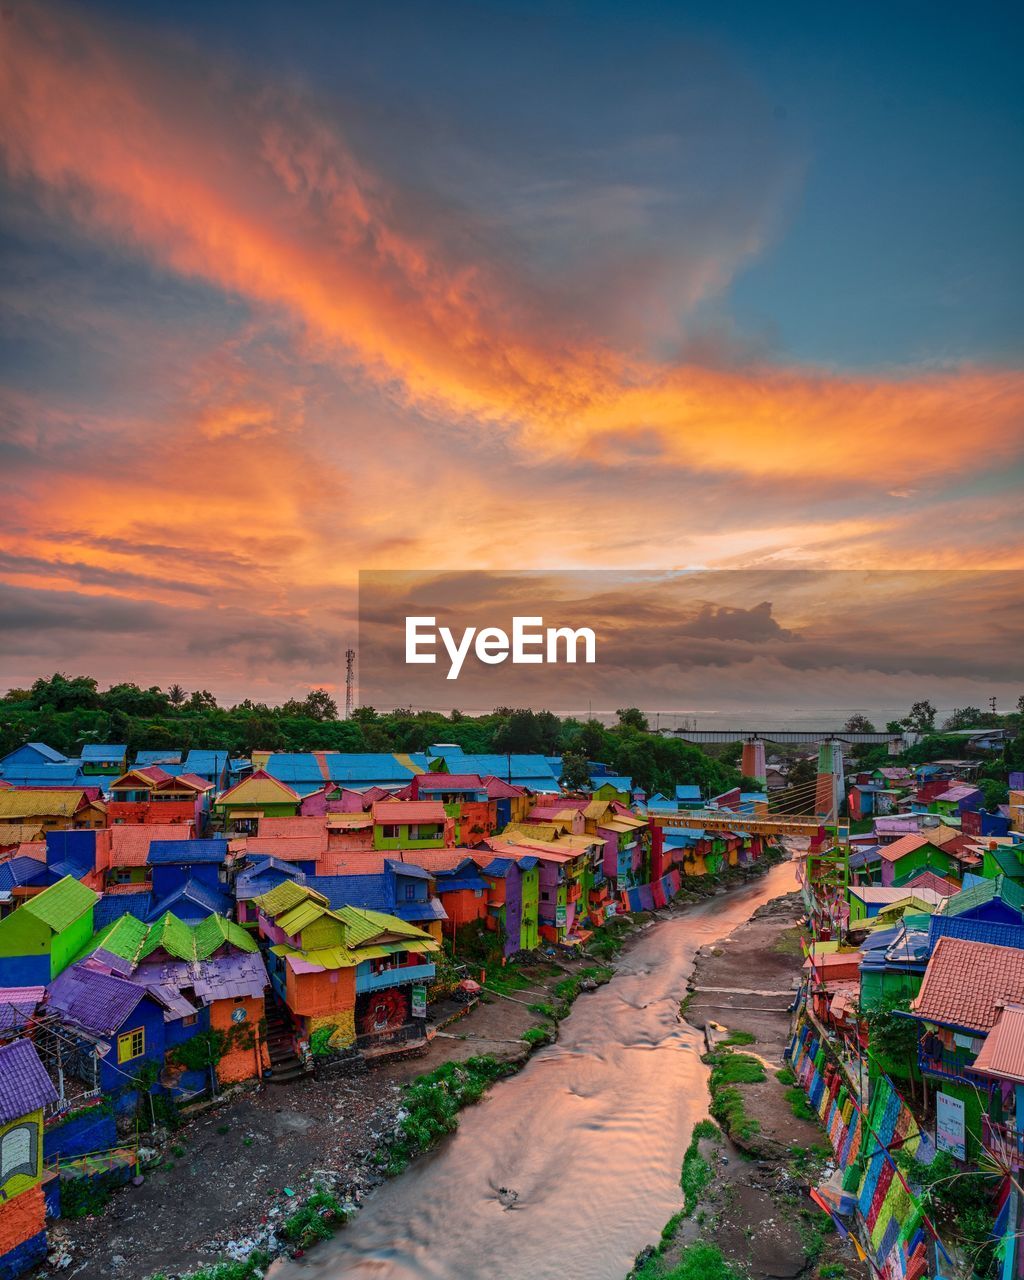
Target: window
{"type": "Point", "coordinates": [189, 1020]}
{"type": "Point", "coordinates": [18, 1152]}
{"type": "Point", "coordinates": [410, 893]}
{"type": "Point", "coordinates": [390, 831]}
{"type": "Point", "coordinates": [131, 1045]}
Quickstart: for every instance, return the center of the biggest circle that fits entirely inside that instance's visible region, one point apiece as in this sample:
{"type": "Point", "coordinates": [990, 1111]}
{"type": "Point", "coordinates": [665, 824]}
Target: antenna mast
{"type": "Point", "coordinates": [350, 658]}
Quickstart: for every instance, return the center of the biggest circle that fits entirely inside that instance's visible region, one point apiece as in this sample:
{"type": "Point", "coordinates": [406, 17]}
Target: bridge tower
{"type": "Point", "coordinates": [752, 764]}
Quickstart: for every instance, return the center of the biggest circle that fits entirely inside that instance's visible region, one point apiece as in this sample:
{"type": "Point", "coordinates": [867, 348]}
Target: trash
{"type": "Point", "coordinates": [288, 1191]}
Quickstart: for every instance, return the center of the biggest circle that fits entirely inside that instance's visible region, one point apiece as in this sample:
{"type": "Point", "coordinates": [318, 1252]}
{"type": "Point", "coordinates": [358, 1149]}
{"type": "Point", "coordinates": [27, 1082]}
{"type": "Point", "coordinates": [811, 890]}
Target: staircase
{"type": "Point", "coordinates": [285, 1063]}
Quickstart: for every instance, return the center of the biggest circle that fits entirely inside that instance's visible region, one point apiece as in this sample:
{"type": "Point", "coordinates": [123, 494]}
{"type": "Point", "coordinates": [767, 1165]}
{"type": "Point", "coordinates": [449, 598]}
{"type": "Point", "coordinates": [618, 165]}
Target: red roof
{"type": "Point", "coordinates": [303, 825]}
{"type": "Point", "coordinates": [129, 844]}
{"type": "Point", "coordinates": [906, 844]}
{"type": "Point", "coordinates": [1002, 1054]}
{"type": "Point", "coordinates": [929, 880]}
{"type": "Point", "coordinates": [288, 848]}
{"type": "Point", "coordinates": [499, 789]}
{"type": "Point", "coordinates": [438, 780]}
{"type": "Point", "coordinates": [404, 811]}
{"type": "Point", "coordinates": [968, 984]}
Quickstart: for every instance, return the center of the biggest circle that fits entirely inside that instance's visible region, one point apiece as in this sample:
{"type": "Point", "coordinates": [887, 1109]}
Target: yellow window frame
{"type": "Point", "coordinates": [132, 1044]}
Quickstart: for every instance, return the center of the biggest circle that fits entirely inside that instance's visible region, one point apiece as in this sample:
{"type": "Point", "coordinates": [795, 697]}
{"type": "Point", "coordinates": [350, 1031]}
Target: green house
{"type": "Point", "coordinates": [409, 824]}
{"type": "Point", "coordinates": [44, 935]}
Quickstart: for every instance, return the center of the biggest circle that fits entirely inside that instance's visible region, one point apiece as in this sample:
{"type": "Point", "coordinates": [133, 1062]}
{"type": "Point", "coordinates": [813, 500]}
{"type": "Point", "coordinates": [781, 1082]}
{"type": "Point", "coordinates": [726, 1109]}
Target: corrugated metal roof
{"type": "Point", "coordinates": [62, 904]}
{"type": "Point", "coordinates": [96, 1002]}
{"type": "Point", "coordinates": [403, 812]}
{"type": "Point", "coordinates": [104, 751]}
{"type": "Point", "coordinates": [1002, 1054]}
{"type": "Point", "coordinates": [178, 853]}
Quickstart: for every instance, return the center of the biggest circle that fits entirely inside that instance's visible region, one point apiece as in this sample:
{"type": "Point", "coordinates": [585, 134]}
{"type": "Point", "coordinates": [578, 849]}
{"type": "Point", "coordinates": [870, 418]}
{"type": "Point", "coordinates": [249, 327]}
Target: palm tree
{"type": "Point", "coordinates": [176, 695]}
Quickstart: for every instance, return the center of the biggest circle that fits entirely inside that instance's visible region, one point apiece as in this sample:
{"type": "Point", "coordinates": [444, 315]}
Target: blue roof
{"type": "Point", "coordinates": [21, 870]}
{"type": "Point", "coordinates": [415, 912]}
{"type": "Point", "coordinates": [58, 870]}
{"type": "Point", "coordinates": [112, 906]}
{"type": "Point", "coordinates": [144, 758]}
{"type": "Point", "coordinates": [501, 866]}
{"type": "Point", "coordinates": [374, 892]}
{"type": "Point", "coordinates": [172, 853]}
{"type": "Point", "coordinates": [48, 753]}
{"type": "Point", "coordinates": [67, 773]}
{"type": "Point", "coordinates": [688, 791]}
{"type": "Point", "coordinates": [371, 766]}
{"type": "Point", "coordinates": [24, 1083]}
{"type": "Point", "coordinates": [407, 868]}
{"type": "Point", "coordinates": [206, 763]}
{"type": "Point", "coordinates": [192, 901]}
{"type": "Point", "coordinates": [616, 780]}
{"type": "Point", "coordinates": [521, 767]}
{"type": "Point", "coordinates": [104, 750]}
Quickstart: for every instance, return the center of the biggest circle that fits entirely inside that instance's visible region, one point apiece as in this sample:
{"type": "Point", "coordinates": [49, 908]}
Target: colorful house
{"type": "Point", "coordinates": [151, 794]}
{"type": "Point", "coordinates": [400, 888]}
{"type": "Point", "coordinates": [513, 899]}
{"type": "Point", "coordinates": [913, 853]}
{"type": "Point", "coordinates": [258, 796]}
{"type": "Point", "coordinates": [53, 807]}
{"type": "Point", "coordinates": [25, 1090]}
{"type": "Point", "coordinates": [128, 859]}
{"type": "Point", "coordinates": [987, 911]}
{"type": "Point", "coordinates": [411, 824]}
{"type": "Point", "coordinates": [866, 901]}
{"type": "Point", "coordinates": [173, 863]}
{"type": "Point", "coordinates": [349, 978]}
{"type": "Point", "coordinates": [210, 977]}
{"type": "Point", "coordinates": [119, 1024]}
{"type": "Point", "coordinates": [966, 988]}
{"type": "Point", "coordinates": [101, 759]}
{"type": "Point", "coordinates": [44, 935]}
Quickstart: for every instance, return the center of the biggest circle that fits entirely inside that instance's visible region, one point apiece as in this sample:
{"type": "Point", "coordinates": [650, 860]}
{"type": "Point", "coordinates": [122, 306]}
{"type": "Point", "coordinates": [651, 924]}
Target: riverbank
{"type": "Point", "coordinates": [230, 1177]}
{"type": "Point", "coordinates": [744, 1179]}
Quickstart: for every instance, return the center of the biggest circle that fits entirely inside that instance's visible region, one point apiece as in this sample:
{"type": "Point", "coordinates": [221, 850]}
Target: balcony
{"type": "Point", "coordinates": [573, 892]}
{"type": "Point", "coordinates": [396, 977]}
{"type": "Point", "coordinates": [946, 1067]}
{"type": "Point", "coordinates": [1004, 1142]}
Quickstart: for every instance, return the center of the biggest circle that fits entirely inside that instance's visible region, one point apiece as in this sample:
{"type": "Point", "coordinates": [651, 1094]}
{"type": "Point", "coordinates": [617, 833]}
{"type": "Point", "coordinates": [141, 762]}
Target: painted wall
{"type": "Point", "coordinates": [241, 1062]}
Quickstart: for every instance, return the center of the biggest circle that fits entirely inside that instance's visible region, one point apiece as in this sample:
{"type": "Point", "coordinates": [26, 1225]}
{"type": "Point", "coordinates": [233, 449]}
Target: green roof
{"type": "Point", "coordinates": [977, 895]}
{"type": "Point", "coordinates": [132, 940]}
{"type": "Point", "coordinates": [1008, 861]}
{"type": "Point", "coordinates": [213, 932]}
{"type": "Point", "coordinates": [62, 904]}
{"type": "Point", "coordinates": [362, 925]}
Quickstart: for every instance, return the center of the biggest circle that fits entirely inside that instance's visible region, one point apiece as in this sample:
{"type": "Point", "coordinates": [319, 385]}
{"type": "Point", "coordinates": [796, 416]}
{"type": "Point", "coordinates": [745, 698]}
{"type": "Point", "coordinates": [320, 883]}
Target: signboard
{"type": "Point", "coordinates": [561, 918]}
{"type": "Point", "coordinates": [610, 908]}
{"type": "Point", "coordinates": [949, 1125]}
{"type": "Point", "coordinates": [238, 1015]}
{"type": "Point", "coordinates": [419, 1002]}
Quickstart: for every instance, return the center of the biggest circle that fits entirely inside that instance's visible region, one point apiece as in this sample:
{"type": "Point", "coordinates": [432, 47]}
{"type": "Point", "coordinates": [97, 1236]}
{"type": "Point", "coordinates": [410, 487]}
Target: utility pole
{"type": "Point", "coordinates": [350, 658]}
{"type": "Point", "coordinates": [992, 704]}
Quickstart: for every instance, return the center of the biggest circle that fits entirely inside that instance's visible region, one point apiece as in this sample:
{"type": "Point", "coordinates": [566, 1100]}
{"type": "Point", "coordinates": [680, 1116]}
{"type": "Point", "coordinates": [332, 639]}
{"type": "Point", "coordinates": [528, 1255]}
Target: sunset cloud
{"type": "Point", "coordinates": [267, 331]}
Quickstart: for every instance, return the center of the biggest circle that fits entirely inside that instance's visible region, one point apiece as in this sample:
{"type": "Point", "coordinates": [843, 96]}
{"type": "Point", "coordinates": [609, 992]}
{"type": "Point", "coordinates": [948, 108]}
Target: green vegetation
{"type": "Point", "coordinates": [82, 1197]}
{"type": "Point", "coordinates": [730, 1069]}
{"type": "Point", "coordinates": [66, 711]}
{"type": "Point", "coordinates": [538, 1035]}
{"type": "Point", "coordinates": [738, 1037]}
{"type": "Point", "coordinates": [317, 1219]}
{"type": "Point", "coordinates": [432, 1103]}
{"type": "Point", "coordinates": [698, 1262]}
{"type": "Point", "coordinates": [697, 1172]}
{"type": "Point", "coordinates": [961, 1202]}
{"type": "Point", "coordinates": [251, 1268]}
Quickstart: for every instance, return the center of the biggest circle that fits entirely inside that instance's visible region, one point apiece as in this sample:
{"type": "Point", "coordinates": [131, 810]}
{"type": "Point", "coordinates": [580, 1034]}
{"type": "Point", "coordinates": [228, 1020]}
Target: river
{"type": "Point", "coordinates": [590, 1134]}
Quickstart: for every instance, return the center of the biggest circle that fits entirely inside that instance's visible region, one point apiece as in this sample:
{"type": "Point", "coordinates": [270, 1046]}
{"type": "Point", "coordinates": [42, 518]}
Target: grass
{"type": "Point", "coordinates": [730, 1069]}
{"type": "Point", "coordinates": [698, 1262]}
{"type": "Point", "coordinates": [799, 1104]}
{"type": "Point", "coordinates": [506, 980]}
{"type": "Point", "coordinates": [317, 1219]}
{"type": "Point", "coordinates": [252, 1268]}
{"type": "Point", "coordinates": [432, 1103]}
{"type": "Point", "coordinates": [737, 1037]}
{"type": "Point", "coordinates": [697, 1172]}
{"type": "Point", "coordinates": [538, 1035]}
{"type": "Point", "coordinates": [788, 942]}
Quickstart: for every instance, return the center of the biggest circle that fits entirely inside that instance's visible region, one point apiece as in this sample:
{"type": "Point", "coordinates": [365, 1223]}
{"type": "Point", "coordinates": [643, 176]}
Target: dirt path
{"type": "Point", "coordinates": [754, 1206]}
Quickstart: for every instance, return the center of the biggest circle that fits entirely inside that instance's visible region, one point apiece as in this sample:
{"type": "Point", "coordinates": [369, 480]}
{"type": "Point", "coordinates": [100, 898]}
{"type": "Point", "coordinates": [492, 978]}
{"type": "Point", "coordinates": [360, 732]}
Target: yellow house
{"type": "Point", "coordinates": [25, 1089]}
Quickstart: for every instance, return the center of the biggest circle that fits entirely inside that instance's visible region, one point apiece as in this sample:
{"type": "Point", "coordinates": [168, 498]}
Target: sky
{"type": "Point", "coordinates": [291, 292]}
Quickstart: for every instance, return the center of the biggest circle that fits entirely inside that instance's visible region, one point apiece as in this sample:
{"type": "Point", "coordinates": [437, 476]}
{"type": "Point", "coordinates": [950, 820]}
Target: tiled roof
{"type": "Point", "coordinates": [196, 894]}
{"type": "Point", "coordinates": [96, 1002]}
{"type": "Point", "coordinates": [17, 1005]}
{"type": "Point", "coordinates": [24, 803]}
{"type": "Point", "coordinates": [113, 905]}
{"type": "Point", "coordinates": [129, 843]}
{"type": "Point", "coordinates": [288, 848]}
{"type": "Point", "coordinates": [1002, 1054]}
{"type": "Point", "coordinates": [12, 833]}
{"type": "Point", "coordinates": [62, 904]}
{"type": "Point", "coordinates": [300, 825]}
{"type": "Point", "coordinates": [18, 871]}
{"type": "Point", "coordinates": [929, 880]}
{"type": "Point", "coordinates": [967, 984]}
{"type": "Point", "coordinates": [408, 811]}
{"type": "Point", "coordinates": [24, 1084]}
{"type": "Point", "coordinates": [186, 852]}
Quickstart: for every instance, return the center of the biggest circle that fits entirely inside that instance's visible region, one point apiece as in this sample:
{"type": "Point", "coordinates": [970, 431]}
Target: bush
{"type": "Point", "coordinates": [317, 1219]}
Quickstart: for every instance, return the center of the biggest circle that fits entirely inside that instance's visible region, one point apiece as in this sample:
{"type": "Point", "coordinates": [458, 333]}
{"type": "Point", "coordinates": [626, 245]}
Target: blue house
{"type": "Point", "coordinates": [401, 889]}
{"type": "Point", "coordinates": [211, 765]}
{"type": "Point", "coordinates": [988, 911]}
{"type": "Point", "coordinates": [71, 853]}
{"type": "Point", "coordinates": [174, 862]}
{"type": "Point", "coordinates": [122, 1020]}
{"type": "Point", "coordinates": [191, 901]}
{"type": "Point", "coordinates": [163, 758]}
{"type": "Point", "coordinates": [36, 765]}
{"type": "Point", "coordinates": [689, 797]}
{"type": "Point", "coordinates": [104, 758]}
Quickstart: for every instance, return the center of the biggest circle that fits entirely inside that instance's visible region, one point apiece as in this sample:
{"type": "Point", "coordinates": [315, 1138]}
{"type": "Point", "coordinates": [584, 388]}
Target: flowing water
{"type": "Point", "coordinates": [590, 1134]}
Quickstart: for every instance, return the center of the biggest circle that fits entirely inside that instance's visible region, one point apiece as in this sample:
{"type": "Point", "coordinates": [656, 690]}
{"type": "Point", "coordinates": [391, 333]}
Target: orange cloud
{"type": "Point", "coordinates": [250, 190]}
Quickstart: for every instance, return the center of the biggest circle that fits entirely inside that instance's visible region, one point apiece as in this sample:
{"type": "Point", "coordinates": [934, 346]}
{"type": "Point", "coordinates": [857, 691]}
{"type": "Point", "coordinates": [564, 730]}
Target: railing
{"type": "Point", "coordinates": [573, 892]}
{"type": "Point", "coordinates": [399, 1036]}
{"type": "Point", "coordinates": [395, 977]}
{"type": "Point", "coordinates": [946, 1069]}
{"type": "Point", "coordinates": [1003, 1140]}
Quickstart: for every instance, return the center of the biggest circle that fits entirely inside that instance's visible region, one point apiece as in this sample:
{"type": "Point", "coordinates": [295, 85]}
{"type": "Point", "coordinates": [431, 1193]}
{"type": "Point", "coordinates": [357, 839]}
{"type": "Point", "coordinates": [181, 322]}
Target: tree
{"type": "Point", "coordinates": [176, 695]}
{"type": "Point", "coordinates": [320, 705]}
{"type": "Point", "coordinates": [64, 693]}
{"type": "Point", "coordinates": [921, 718]}
{"type": "Point", "coordinates": [202, 700]}
{"type": "Point", "coordinates": [575, 771]}
{"type": "Point", "coordinates": [858, 724]}
{"type": "Point", "coordinates": [994, 791]}
{"type": "Point", "coordinates": [962, 718]}
{"type": "Point", "coordinates": [632, 718]}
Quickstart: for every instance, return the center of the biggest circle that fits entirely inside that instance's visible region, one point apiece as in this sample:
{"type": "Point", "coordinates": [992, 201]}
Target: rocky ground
{"type": "Point", "coordinates": [755, 1207]}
